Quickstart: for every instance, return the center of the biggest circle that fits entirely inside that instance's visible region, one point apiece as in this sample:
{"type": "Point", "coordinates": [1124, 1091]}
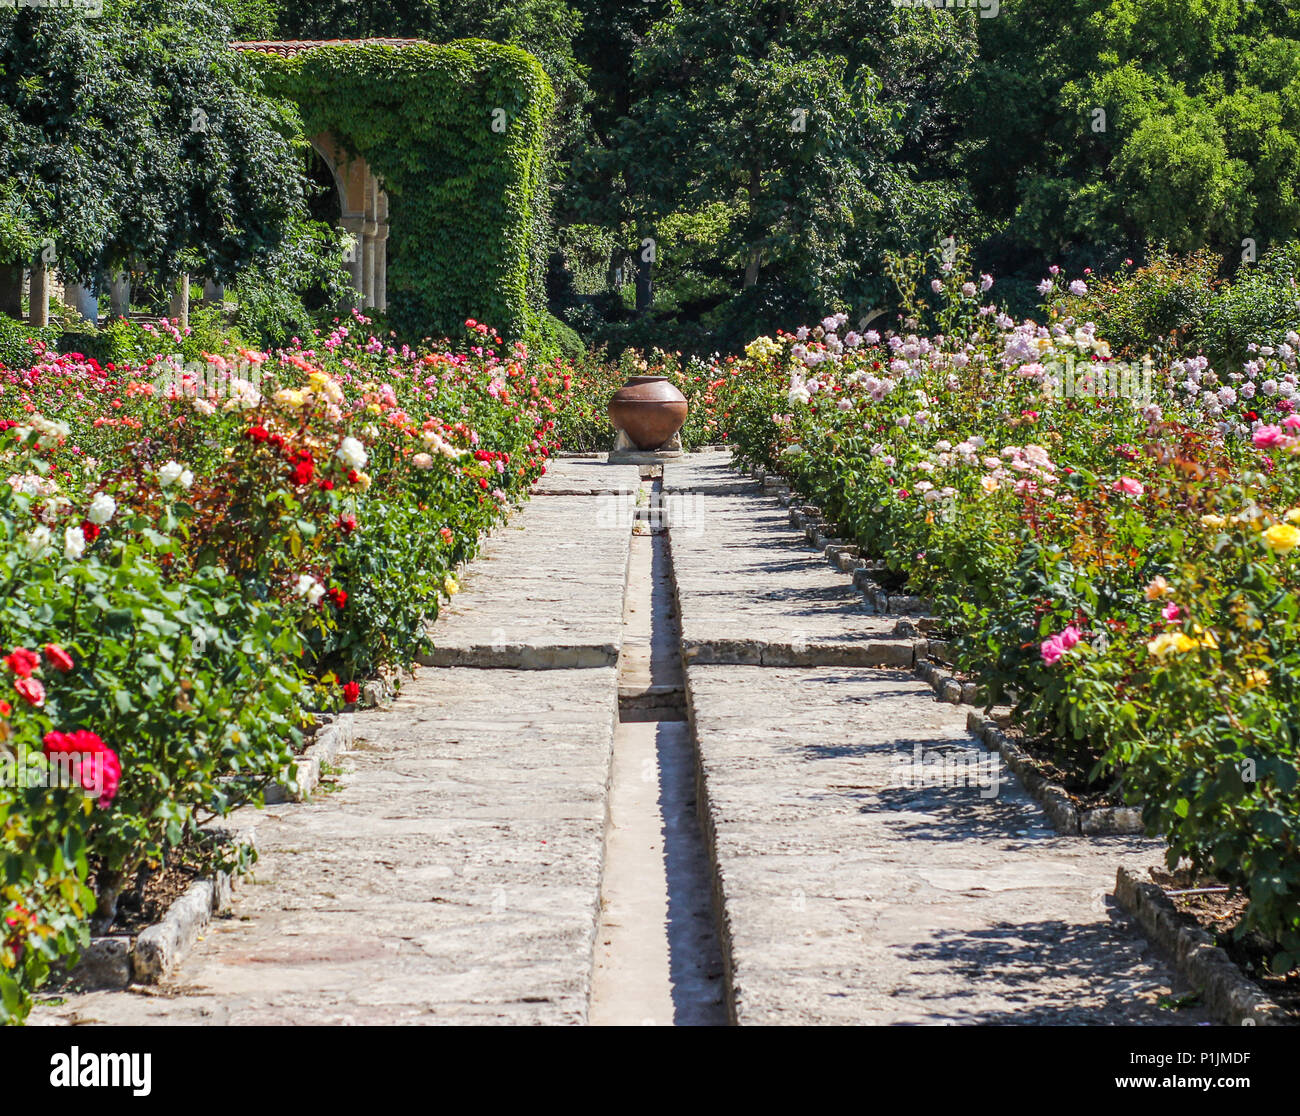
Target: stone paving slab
{"type": "Point", "coordinates": [586, 476]}
{"type": "Point", "coordinates": [545, 591]}
{"type": "Point", "coordinates": [849, 896]}
{"type": "Point", "coordinates": [750, 590]}
{"type": "Point", "coordinates": [454, 879]}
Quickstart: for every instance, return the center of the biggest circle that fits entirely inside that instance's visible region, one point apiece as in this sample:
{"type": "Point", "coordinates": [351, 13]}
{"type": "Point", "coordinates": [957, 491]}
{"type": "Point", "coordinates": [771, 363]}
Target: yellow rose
{"type": "Point", "coordinates": [1293, 516]}
{"type": "Point", "coordinates": [287, 397]}
{"type": "Point", "coordinates": [1170, 643]}
{"type": "Point", "coordinates": [1256, 678]}
{"type": "Point", "coordinates": [450, 585]}
{"type": "Point", "coordinates": [1214, 521]}
{"type": "Point", "coordinates": [1282, 538]}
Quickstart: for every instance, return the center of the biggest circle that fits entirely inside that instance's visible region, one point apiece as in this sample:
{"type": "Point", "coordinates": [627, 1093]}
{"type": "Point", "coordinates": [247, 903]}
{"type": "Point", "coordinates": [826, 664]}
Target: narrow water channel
{"type": "Point", "coordinates": [657, 959]}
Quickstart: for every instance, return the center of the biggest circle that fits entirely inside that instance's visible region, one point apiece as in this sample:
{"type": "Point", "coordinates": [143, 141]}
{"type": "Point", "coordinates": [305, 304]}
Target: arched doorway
{"type": "Point", "coordinates": [363, 214]}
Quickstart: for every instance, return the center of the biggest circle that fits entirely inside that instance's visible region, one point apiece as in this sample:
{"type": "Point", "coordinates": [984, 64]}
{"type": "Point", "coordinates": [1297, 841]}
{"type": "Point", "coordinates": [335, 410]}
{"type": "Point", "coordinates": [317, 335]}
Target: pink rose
{"type": "Point", "coordinates": [31, 690]}
{"type": "Point", "coordinates": [1051, 650]}
{"type": "Point", "coordinates": [1171, 612]}
{"type": "Point", "coordinates": [1069, 637]}
{"type": "Point", "coordinates": [1267, 436]}
{"type": "Point", "coordinates": [1129, 486]}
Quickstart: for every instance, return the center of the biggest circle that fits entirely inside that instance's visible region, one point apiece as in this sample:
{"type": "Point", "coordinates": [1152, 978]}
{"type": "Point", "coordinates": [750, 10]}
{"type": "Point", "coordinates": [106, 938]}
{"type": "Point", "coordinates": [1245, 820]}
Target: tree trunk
{"type": "Point", "coordinates": [751, 268]}
{"type": "Point", "coordinates": [119, 295]}
{"type": "Point", "coordinates": [38, 295]}
{"type": "Point", "coordinates": [179, 310]}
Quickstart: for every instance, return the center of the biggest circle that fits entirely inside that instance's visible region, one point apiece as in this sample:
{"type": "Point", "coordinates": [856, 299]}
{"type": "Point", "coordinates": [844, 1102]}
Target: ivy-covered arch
{"type": "Point", "coordinates": [454, 133]}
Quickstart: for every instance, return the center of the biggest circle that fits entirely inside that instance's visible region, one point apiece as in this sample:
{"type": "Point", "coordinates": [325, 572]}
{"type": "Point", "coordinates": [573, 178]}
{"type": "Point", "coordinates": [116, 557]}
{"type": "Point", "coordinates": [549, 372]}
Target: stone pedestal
{"type": "Point", "coordinates": [625, 451]}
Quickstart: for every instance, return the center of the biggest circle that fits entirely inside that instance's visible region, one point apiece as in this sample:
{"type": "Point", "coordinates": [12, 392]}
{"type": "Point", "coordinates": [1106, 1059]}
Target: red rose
{"type": "Point", "coordinates": [347, 524]}
{"type": "Point", "coordinates": [351, 692]}
{"type": "Point", "coordinates": [339, 597]}
{"type": "Point", "coordinates": [30, 690]}
{"type": "Point", "coordinates": [304, 471]}
{"type": "Point", "coordinates": [90, 530]}
{"type": "Point", "coordinates": [58, 657]}
{"type": "Point", "coordinates": [22, 662]}
{"type": "Point", "coordinates": [259, 433]}
{"type": "Point", "coordinates": [5, 709]}
{"type": "Point", "coordinates": [95, 765]}
{"type": "Point", "coordinates": [326, 485]}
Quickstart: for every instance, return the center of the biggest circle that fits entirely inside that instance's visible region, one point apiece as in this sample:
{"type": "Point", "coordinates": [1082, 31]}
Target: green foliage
{"type": "Point", "coordinates": [15, 352]}
{"type": "Point", "coordinates": [462, 196]}
{"type": "Point", "coordinates": [1261, 304]}
{"type": "Point", "coordinates": [273, 297]}
{"type": "Point", "coordinates": [1199, 145]}
{"type": "Point", "coordinates": [140, 137]}
{"type": "Point", "coordinates": [1182, 305]}
{"type": "Point", "coordinates": [771, 151]}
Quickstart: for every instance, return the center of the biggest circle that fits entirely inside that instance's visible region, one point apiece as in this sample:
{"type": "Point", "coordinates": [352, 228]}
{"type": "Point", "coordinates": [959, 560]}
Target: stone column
{"type": "Point", "coordinates": [354, 226]}
{"type": "Point", "coordinates": [368, 264]}
{"type": "Point", "coordinates": [214, 293]}
{"type": "Point", "coordinates": [381, 251]}
{"type": "Point", "coordinates": [11, 290]}
{"type": "Point", "coordinates": [38, 298]}
{"type": "Point", "coordinates": [180, 304]}
{"type": "Point", "coordinates": [381, 267]}
{"type": "Point", "coordinates": [82, 299]}
{"type": "Point", "coordinates": [119, 295]}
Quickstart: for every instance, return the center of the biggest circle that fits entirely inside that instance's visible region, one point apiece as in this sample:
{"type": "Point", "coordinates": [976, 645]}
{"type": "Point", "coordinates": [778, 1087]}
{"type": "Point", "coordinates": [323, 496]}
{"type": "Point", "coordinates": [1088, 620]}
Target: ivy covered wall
{"type": "Point", "coordinates": [455, 134]}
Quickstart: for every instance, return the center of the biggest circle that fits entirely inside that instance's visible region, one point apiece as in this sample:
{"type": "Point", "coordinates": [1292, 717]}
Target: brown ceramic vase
{"type": "Point", "coordinates": [649, 410]}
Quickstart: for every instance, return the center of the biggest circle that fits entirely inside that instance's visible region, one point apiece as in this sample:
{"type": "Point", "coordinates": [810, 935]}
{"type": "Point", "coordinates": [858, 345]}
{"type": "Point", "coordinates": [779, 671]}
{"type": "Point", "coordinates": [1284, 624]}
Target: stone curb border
{"type": "Point", "coordinates": [521, 656]}
{"type": "Point", "coordinates": [1232, 996]}
{"type": "Point", "coordinates": [331, 738]}
{"type": "Point", "coordinates": [114, 962]}
{"type": "Point", "coordinates": [1067, 819]}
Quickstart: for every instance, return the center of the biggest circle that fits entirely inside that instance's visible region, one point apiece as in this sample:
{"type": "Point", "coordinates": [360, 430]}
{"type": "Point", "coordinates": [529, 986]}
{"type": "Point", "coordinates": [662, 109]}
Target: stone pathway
{"type": "Point", "coordinates": [479, 866]}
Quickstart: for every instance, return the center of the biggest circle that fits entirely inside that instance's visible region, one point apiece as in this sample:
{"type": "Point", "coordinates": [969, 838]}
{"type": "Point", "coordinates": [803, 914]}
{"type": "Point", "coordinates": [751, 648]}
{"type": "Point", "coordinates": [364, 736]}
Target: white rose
{"type": "Point", "coordinates": [37, 541]}
{"type": "Point", "coordinates": [315, 593]}
{"type": "Point", "coordinates": [170, 473]}
{"type": "Point", "coordinates": [102, 508]}
{"type": "Point", "coordinates": [74, 543]}
{"type": "Point", "coordinates": [305, 582]}
{"type": "Point", "coordinates": [352, 453]}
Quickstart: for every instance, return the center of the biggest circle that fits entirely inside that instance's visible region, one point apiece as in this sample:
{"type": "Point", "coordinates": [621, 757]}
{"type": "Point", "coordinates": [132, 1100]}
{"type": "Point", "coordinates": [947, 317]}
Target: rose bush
{"type": "Point", "coordinates": [1115, 547]}
{"type": "Point", "coordinates": [209, 551]}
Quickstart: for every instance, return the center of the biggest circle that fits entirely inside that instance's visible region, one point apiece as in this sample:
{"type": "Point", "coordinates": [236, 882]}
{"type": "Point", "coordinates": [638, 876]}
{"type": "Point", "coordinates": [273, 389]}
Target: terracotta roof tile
{"type": "Point", "coordinates": [296, 46]}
